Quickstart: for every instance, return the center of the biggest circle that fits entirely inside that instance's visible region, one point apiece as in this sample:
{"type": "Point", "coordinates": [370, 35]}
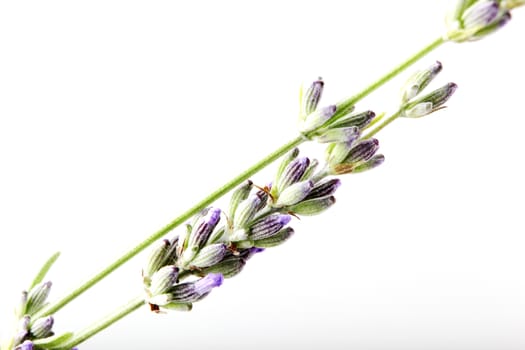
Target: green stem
{"type": "Point", "coordinates": [102, 324]}
{"type": "Point", "coordinates": [381, 125]}
{"type": "Point", "coordinates": [398, 69]}
{"type": "Point", "coordinates": [54, 307]}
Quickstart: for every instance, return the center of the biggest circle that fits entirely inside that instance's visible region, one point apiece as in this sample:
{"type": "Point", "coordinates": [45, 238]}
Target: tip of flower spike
{"type": "Point", "coordinates": [214, 215]}
{"type": "Point", "coordinates": [214, 280]}
{"type": "Point", "coordinates": [438, 66]}
{"type": "Point", "coordinates": [284, 219]}
{"type": "Point", "coordinates": [256, 250]}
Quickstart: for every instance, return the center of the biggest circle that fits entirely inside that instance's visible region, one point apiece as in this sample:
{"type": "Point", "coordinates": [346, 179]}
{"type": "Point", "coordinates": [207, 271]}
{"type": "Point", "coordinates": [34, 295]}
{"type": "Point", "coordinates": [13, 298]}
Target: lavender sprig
{"type": "Point", "coordinates": [33, 331]}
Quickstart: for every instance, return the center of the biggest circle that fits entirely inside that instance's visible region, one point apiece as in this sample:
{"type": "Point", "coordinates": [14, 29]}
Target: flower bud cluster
{"type": "Point", "coordinates": [415, 106]}
{"type": "Point", "coordinates": [334, 123]}
{"type": "Point", "coordinates": [474, 19]}
{"type": "Point", "coordinates": [217, 244]}
{"type": "Point", "coordinates": [31, 332]}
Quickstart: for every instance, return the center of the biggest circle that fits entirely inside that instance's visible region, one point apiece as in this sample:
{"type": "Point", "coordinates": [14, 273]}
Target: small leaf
{"type": "Point", "coordinates": [44, 269]}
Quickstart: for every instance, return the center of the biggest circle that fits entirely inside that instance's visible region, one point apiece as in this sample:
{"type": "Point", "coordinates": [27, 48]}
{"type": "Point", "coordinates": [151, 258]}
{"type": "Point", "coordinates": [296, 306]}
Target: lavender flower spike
{"type": "Point", "coordinates": [475, 19]}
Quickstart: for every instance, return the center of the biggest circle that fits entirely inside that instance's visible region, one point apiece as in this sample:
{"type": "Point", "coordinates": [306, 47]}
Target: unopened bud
{"type": "Point", "coordinates": [228, 267]}
{"type": "Point", "coordinates": [209, 255]}
{"type": "Point", "coordinates": [318, 118]}
{"type": "Point", "coordinates": [268, 226]}
{"type": "Point", "coordinates": [291, 174]}
{"type": "Point", "coordinates": [324, 189]}
{"type": "Point", "coordinates": [417, 82]}
{"type": "Point", "coordinates": [360, 120]}
{"type": "Point", "coordinates": [191, 292]}
{"type": "Point", "coordinates": [294, 194]}
{"type": "Point", "coordinates": [37, 297]}
{"type": "Point", "coordinates": [246, 211]}
{"type": "Point", "coordinates": [275, 240]}
{"type": "Point", "coordinates": [41, 328]}
{"type": "Point", "coordinates": [156, 258]}
{"type": "Point", "coordinates": [311, 97]}
{"type": "Point", "coordinates": [163, 280]}
{"type": "Point", "coordinates": [313, 206]}
{"type": "Point", "coordinates": [372, 163]}
{"type": "Point", "coordinates": [345, 134]}
{"type": "Point", "coordinates": [429, 103]}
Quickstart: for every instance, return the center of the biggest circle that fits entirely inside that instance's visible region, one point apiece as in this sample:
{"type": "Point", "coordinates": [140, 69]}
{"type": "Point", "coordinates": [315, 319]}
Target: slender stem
{"type": "Point", "coordinates": [102, 324]}
{"type": "Point", "coordinates": [54, 307]}
{"type": "Point", "coordinates": [381, 125]}
{"type": "Point", "coordinates": [398, 69]}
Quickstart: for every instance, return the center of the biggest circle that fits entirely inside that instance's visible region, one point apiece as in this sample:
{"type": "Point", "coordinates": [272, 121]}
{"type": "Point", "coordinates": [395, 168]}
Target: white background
{"type": "Point", "coordinates": [115, 116]}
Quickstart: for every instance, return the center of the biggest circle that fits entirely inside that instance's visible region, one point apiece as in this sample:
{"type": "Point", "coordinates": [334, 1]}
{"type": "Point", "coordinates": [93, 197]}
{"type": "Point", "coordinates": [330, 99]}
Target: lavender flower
{"type": "Point", "coordinates": [473, 20]}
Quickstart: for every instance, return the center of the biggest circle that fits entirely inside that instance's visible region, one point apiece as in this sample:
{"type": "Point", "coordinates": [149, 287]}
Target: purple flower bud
{"type": "Point", "coordinates": [37, 297]}
{"type": "Point", "coordinates": [313, 206]}
{"type": "Point", "coordinates": [312, 97]}
{"type": "Point", "coordinates": [193, 291]}
{"type": "Point", "coordinates": [294, 194]}
{"type": "Point", "coordinates": [324, 189]}
{"type": "Point", "coordinates": [156, 258]}
{"type": "Point", "coordinates": [359, 120]}
{"type": "Point", "coordinates": [204, 228]}
{"type": "Point", "coordinates": [504, 19]}
{"type": "Point", "coordinates": [310, 170]}
{"type": "Point", "coordinates": [210, 255]}
{"type": "Point", "coordinates": [23, 329]}
{"type": "Point", "coordinates": [289, 157]}
{"type": "Point", "coordinates": [27, 345]}
{"type": "Point", "coordinates": [239, 195]}
{"type": "Point", "coordinates": [292, 173]}
{"type": "Point", "coordinates": [22, 303]}
{"type": "Point", "coordinates": [346, 134]}
{"type": "Point", "coordinates": [480, 15]}
{"type": "Point", "coordinates": [318, 118]}
{"type": "Point", "coordinates": [372, 163]}
{"type": "Point", "coordinates": [230, 266]}
{"type": "Point", "coordinates": [363, 151]}
{"type": "Point", "coordinates": [417, 82]}
{"type": "Point", "coordinates": [251, 252]}
{"type": "Point", "coordinates": [431, 102]}
{"type": "Point", "coordinates": [247, 210]}
{"type": "Point", "coordinates": [42, 327]}
{"type": "Point", "coordinates": [275, 240]}
{"type": "Point", "coordinates": [268, 226]}
{"type": "Point", "coordinates": [163, 280]}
